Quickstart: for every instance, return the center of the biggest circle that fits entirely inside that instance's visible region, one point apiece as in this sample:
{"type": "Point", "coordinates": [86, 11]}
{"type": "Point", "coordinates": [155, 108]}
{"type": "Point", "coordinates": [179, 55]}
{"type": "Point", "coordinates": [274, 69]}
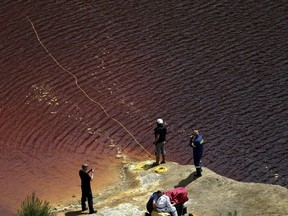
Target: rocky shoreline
{"type": "Point", "coordinates": [208, 195]}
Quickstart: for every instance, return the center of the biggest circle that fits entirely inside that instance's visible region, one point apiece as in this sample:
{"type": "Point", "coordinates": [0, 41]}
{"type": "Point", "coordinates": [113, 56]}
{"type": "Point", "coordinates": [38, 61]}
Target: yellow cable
{"type": "Point", "coordinates": [76, 82]}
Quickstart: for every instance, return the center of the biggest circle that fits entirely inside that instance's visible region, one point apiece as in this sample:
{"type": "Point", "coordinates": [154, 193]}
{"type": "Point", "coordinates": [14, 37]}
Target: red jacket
{"type": "Point", "coordinates": [177, 195]}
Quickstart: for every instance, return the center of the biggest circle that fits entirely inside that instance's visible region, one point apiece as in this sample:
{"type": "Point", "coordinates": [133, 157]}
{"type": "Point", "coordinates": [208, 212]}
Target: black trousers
{"type": "Point", "coordinates": [197, 160]}
{"type": "Point", "coordinates": [87, 195]}
{"type": "Point", "coordinates": [181, 209]}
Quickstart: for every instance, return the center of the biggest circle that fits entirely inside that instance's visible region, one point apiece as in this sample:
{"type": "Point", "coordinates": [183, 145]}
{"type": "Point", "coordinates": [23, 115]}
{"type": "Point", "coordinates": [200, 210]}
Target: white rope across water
{"type": "Point", "coordinates": [79, 87]}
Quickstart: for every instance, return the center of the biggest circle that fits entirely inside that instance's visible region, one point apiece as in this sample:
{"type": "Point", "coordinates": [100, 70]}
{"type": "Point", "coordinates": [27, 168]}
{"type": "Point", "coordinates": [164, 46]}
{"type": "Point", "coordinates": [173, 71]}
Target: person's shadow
{"type": "Point", "coordinates": [187, 181]}
{"type": "Point", "coordinates": [75, 213]}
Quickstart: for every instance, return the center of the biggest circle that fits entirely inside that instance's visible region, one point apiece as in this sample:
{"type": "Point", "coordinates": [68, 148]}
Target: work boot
{"type": "Point", "coordinates": [92, 212]}
{"type": "Point", "coordinates": [198, 172]}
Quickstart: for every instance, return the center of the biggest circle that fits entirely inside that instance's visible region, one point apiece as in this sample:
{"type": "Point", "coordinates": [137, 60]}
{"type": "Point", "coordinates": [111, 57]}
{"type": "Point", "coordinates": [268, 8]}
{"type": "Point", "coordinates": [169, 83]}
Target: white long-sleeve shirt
{"type": "Point", "coordinates": [164, 202]}
{"type": "Point", "coordinates": [164, 205]}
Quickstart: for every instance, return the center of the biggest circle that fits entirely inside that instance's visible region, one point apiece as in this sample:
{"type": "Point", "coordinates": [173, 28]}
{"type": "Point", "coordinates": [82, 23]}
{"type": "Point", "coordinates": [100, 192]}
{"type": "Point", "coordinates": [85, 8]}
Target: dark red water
{"type": "Point", "coordinates": [84, 81]}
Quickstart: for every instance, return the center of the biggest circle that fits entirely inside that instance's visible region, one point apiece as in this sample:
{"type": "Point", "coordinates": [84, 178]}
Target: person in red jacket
{"type": "Point", "coordinates": [178, 196]}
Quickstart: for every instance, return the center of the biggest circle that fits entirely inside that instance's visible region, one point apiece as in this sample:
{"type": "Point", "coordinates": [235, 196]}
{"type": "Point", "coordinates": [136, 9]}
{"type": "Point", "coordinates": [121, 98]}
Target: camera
{"type": "Point", "coordinates": [91, 170]}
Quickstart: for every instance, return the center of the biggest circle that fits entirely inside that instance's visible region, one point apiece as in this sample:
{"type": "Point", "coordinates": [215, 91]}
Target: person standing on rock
{"type": "Point", "coordinates": [86, 178]}
{"type": "Point", "coordinates": [196, 142]}
{"type": "Point", "coordinates": [159, 142]}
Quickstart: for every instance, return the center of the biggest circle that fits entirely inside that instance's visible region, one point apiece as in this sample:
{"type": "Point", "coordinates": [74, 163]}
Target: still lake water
{"type": "Point", "coordinates": [84, 81]}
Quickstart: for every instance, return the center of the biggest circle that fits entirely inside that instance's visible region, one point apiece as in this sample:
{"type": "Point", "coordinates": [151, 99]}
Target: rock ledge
{"type": "Point", "coordinates": [209, 195]}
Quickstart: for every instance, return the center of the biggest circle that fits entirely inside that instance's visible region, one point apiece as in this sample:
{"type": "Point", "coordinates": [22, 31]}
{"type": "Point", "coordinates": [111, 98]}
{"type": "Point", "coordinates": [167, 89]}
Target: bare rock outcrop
{"type": "Point", "coordinates": [209, 195]}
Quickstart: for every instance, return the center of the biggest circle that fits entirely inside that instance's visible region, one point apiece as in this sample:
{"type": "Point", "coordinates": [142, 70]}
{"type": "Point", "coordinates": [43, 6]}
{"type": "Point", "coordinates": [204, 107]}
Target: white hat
{"type": "Point", "coordinates": [159, 121]}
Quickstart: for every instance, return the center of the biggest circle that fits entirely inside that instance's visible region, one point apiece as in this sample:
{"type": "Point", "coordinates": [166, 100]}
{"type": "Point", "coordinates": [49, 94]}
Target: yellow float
{"type": "Point", "coordinates": [161, 169]}
{"type": "Point", "coordinates": [140, 167]}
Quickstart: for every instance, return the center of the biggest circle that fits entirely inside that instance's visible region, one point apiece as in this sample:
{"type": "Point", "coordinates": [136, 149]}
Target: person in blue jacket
{"type": "Point", "coordinates": [196, 142]}
{"type": "Point", "coordinates": [151, 204]}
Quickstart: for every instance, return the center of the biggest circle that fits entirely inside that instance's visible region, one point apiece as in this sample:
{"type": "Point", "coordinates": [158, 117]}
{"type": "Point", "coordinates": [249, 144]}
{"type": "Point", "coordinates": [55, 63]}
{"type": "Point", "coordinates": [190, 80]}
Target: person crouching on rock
{"type": "Point", "coordinates": [164, 205]}
{"type": "Point", "coordinates": [151, 204]}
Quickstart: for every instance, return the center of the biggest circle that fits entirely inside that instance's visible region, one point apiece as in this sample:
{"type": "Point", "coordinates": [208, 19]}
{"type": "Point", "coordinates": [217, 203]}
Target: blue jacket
{"type": "Point", "coordinates": [197, 145]}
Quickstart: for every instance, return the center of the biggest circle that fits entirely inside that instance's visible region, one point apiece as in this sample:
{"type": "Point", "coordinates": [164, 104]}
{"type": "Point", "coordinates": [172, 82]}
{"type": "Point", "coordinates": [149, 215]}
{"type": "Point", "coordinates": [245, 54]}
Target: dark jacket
{"type": "Point", "coordinates": [161, 130]}
{"type": "Point", "coordinates": [85, 181]}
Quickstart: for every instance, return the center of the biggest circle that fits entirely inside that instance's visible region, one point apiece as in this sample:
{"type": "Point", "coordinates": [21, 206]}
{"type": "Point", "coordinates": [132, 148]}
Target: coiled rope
{"type": "Point", "coordinates": [79, 87]}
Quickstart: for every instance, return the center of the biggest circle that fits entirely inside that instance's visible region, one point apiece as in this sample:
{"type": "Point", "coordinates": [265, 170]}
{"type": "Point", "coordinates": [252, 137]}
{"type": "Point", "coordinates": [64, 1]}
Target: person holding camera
{"type": "Point", "coordinates": [86, 178]}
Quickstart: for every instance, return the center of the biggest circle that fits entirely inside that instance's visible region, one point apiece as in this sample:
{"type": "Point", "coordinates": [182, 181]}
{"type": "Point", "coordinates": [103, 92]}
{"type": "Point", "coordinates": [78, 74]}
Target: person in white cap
{"type": "Point", "coordinates": [159, 142]}
{"type": "Point", "coordinates": [86, 178]}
